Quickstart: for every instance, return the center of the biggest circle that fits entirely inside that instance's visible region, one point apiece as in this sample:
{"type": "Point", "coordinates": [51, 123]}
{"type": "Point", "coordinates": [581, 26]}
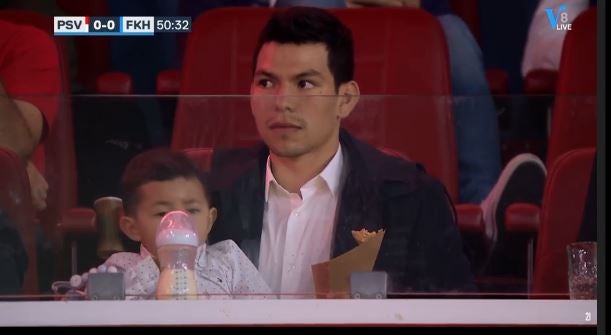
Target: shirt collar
{"type": "Point", "coordinates": [331, 174]}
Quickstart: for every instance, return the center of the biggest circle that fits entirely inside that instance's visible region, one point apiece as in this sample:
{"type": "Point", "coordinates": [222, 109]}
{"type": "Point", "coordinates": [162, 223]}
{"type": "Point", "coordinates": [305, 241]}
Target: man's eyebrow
{"type": "Point", "coordinates": [265, 73]}
{"type": "Point", "coordinates": [308, 73]}
{"type": "Point", "coordinates": [304, 74]}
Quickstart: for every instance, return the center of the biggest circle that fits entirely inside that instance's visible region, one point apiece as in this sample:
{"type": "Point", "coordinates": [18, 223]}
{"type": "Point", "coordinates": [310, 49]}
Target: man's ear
{"type": "Point", "coordinates": [130, 228]}
{"type": "Point", "coordinates": [212, 214]}
{"type": "Point", "coordinates": [348, 98]}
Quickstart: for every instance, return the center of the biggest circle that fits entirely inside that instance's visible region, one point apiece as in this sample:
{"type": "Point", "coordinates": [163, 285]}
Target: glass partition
{"type": "Point", "coordinates": [393, 235]}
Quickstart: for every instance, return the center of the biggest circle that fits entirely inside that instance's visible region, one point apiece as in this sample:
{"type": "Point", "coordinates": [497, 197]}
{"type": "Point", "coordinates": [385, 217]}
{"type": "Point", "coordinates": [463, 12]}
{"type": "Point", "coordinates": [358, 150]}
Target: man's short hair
{"type": "Point", "coordinates": [157, 165]}
{"type": "Point", "coordinates": [305, 25]}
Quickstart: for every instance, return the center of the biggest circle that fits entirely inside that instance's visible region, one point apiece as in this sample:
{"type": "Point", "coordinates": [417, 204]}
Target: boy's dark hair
{"type": "Point", "coordinates": [157, 165]}
{"type": "Point", "coordinates": [304, 25]}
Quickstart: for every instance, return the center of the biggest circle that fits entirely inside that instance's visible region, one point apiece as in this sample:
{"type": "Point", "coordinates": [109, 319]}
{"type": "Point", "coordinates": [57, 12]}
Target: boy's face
{"type": "Point", "coordinates": [296, 106]}
{"type": "Point", "coordinates": [157, 198]}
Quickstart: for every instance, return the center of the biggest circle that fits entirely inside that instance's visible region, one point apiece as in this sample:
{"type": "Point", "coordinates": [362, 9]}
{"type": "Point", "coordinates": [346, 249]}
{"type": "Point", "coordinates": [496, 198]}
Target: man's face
{"type": "Point", "coordinates": [160, 197]}
{"type": "Point", "coordinates": [294, 101]}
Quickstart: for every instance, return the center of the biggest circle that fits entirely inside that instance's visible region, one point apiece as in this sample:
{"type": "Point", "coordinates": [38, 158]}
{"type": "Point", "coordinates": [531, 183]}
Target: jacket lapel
{"type": "Point", "coordinates": [359, 205]}
{"type": "Point", "coordinates": [250, 209]}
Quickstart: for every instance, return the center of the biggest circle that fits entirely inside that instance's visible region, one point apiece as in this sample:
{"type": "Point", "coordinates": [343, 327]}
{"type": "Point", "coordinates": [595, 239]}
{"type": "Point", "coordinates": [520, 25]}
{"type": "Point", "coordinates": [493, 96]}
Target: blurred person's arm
{"type": "Point", "coordinates": [29, 91]}
{"type": "Point", "coordinates": [20, 125]}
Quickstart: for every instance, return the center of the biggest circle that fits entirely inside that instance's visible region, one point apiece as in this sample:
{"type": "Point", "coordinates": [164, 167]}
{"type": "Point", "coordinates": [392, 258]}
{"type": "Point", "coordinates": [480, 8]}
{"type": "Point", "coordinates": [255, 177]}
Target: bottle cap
{"type": "Point", "coordinates": [176, 228]}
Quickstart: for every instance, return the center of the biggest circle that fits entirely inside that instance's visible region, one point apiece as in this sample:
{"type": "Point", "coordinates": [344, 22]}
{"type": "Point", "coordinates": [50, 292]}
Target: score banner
{"type": "Point", "coordinates": [119, 25]}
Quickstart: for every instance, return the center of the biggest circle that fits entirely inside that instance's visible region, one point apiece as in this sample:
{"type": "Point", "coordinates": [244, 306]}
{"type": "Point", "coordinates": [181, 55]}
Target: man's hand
{"type": "Point", "coordinates": [38, 187]}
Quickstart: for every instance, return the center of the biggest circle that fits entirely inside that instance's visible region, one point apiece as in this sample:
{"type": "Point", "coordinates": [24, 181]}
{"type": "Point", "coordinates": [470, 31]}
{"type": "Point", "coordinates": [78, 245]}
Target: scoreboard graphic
{"type": "Point", "coordinates": [119, 25]}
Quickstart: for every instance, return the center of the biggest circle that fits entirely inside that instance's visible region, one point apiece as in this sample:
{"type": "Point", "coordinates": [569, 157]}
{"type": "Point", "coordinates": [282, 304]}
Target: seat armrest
{"type": "Point", "coordinates": [498, 81]}
{"type": "Point", "coordinates": [114, 83]}
{"type": "Point", "coordinates": [78, 221]}
{"type": "Point", "coordinates": [470, 218]}
{"type": "Point", "coordinates": [168, 82]}
{"type": "Point", "coordinates": [522, 218]}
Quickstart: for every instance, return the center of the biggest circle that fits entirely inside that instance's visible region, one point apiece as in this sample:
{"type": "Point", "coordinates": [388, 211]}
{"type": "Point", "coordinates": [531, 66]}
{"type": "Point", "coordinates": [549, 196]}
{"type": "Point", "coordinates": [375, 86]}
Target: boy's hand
{"type": "Point", "coordinates": [80, 281]}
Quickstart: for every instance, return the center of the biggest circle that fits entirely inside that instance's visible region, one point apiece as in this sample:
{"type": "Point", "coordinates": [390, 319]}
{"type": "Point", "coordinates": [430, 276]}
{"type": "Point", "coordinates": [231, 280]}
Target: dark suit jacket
{"type": "Point", "coordinates": [422, 249]}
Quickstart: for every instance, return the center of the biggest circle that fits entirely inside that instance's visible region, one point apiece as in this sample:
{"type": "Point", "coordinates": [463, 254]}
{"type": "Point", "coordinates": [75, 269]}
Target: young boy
{"type": "Point", "coordinates": [157, 182]}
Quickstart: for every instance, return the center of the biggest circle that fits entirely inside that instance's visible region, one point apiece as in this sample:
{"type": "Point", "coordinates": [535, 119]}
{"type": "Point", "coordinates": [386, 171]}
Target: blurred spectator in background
{"type": "Point", "coordinates": [29, 87]}
{"type": "Point", "coordinates": [504, 27]}
{"type": "Point", "coordinates": [544, 43]}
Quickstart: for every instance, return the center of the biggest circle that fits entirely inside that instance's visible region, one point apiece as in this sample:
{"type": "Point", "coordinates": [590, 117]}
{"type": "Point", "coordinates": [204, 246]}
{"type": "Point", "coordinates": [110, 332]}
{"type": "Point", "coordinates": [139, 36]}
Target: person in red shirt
{"type": "Point", "coordinates": [30, 84]}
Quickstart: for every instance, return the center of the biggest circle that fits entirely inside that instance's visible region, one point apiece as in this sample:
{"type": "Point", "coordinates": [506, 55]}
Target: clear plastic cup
{"type": "Point", "coordinates": [582, 270]}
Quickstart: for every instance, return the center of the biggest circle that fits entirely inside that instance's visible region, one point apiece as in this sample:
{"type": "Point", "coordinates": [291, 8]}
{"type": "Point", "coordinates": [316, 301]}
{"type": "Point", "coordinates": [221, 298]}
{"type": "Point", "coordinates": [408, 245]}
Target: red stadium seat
{"type": "Point", "coordinates": [561, 217]}
{"type": "Point", "coordinates": [556, 223]}
{"type": "Point", "coordinates": [202, 156]}
{"type": "Point", "coordinates": [574, 114]}
{"type": "Point", "coordinates": [168, 82]}
{"type": "Point", "coordinates": [498, 80]}
{"type": "Point", "coordinates": [114, 83]}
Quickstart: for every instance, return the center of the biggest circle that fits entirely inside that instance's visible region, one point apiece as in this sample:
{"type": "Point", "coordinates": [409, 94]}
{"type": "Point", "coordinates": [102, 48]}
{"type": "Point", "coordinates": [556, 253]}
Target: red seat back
{"type": "Point", "coordinates": [119, 83]}
{"type": "Point", "coordinates": [92, 52]}
{"type": "Point", "coordinates": [574, 115]}
{"type": "Point", "coordinates": [397, 51]}
{"type": "Point", "coordinates": [201, 156]}
{"type": "Point", "coordinates": [562, 213]}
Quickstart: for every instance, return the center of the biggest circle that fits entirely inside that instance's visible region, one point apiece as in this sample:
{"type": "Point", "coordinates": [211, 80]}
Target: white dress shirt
{"type": "Point", "coordinates": [222, 270]}
{"type": "Point", "coordinates": [298, 231]}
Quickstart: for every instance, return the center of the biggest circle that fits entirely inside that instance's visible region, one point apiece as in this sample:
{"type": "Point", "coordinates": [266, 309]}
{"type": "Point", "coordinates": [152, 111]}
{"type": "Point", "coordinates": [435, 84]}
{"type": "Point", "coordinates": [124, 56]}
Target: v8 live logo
{"type": "Point", "coordinates": [558, 20]}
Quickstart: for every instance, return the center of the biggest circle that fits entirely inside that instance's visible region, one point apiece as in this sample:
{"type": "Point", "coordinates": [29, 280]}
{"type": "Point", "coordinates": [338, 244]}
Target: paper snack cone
{"type": "Point", "coordinates": [332, 278]}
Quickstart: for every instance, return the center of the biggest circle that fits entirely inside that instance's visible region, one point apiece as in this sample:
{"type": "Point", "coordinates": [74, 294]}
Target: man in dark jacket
{"type": "Point", "coordinates": [295, 200]}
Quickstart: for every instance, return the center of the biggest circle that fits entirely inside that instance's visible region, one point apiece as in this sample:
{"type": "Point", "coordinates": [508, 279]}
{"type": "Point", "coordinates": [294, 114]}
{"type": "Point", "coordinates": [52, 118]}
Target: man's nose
{"type": "Point", "coordinates": [285, 99]}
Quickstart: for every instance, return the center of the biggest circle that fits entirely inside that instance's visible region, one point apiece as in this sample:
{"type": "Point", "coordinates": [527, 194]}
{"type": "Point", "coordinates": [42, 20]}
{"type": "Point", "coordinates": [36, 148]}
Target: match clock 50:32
{"type": "Point", "coordinates": [173, 24]}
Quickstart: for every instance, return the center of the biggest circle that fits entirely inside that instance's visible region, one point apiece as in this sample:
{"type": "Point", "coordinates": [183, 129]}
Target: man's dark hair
{"type": "Point", "coordinates": [157, 165]}
{"type": "Point", "coordinates": [305, 25]}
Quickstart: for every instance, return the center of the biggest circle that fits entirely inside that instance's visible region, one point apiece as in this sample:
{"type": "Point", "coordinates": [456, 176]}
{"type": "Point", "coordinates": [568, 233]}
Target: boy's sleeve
{"type": "Point", "coordinates": [247, 282]}
{"type": "Point", "coordinates": [140, 273]}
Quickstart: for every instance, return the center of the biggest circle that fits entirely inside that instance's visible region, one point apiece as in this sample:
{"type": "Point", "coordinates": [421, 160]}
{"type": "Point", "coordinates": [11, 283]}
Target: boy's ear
{"type": "Point", "coordinates": [130, 228]}
{"type": "Point", "coordinates": [212, 213]}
